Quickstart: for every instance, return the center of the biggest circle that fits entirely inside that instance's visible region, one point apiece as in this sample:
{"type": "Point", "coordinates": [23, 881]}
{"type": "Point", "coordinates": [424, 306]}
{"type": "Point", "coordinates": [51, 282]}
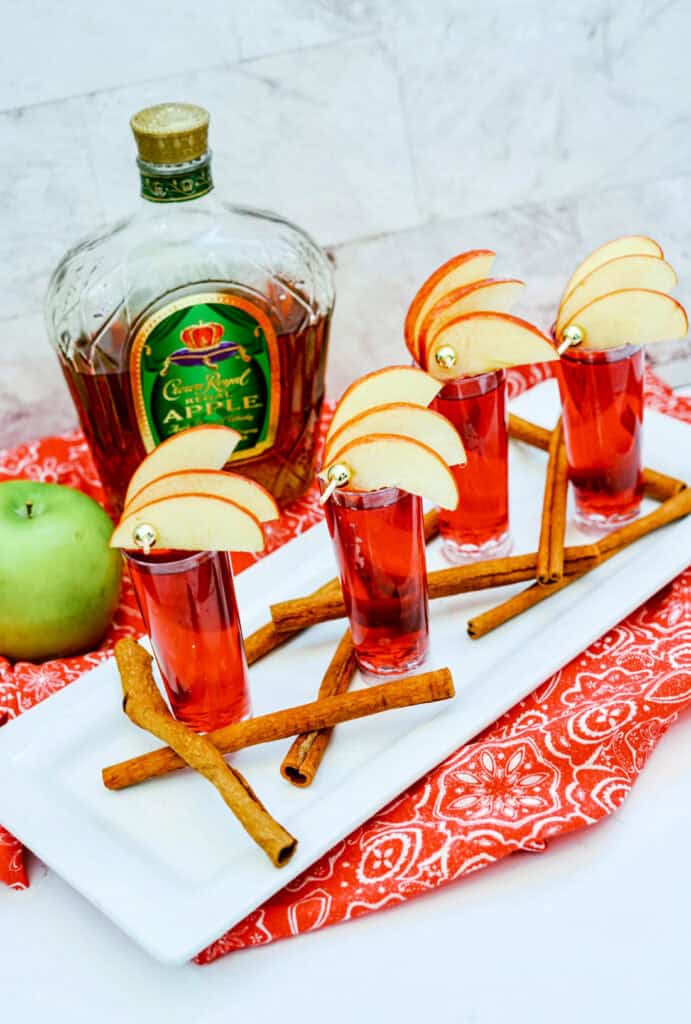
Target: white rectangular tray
{"type": "Point", "coordinates": [167, 862]}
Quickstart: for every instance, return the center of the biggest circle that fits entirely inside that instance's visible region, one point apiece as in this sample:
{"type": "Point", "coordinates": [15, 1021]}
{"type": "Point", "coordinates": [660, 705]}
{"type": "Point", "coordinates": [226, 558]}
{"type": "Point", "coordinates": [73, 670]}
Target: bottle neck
{"type": "Point", "coordinates": [176, 183]}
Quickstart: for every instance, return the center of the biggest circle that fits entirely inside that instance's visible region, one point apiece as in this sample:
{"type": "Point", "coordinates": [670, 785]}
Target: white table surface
{"type": "Point", "coordinates": [595, 929]}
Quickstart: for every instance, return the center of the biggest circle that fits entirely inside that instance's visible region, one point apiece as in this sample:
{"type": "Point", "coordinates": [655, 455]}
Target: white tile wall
{"type": "Point", "coordinates": [396, 131]}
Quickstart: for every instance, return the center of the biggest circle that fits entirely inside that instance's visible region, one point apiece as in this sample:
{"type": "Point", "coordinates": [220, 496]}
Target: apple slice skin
{"type": "Point", "coordinates": [387, 460]}
{"type": "Point", "coordinates": [200, 447]}
{"type": "Point", "coordinates": [392, 384]}
{"type": "Point", "coordinates": [402, 419]}
{"type": "Point", "coordinates": [630, 316]}
{"type": "Point", "coordinates": [193, 522]}
{"type": "Point", "coordinates": [627, 245]}
{"type": "Point", "coordinates": [492, 295]}
{"type": "Point", "coordinates": [624, 272]}
{"type": "Point", "coordinates": [244, 492]}
{"type": "Point", "coordinates": [462, 269]}
{"type": "Point", "coordinates": [485, 342]}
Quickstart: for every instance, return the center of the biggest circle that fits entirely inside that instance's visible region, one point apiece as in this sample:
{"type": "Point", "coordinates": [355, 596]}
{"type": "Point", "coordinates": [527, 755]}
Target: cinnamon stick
{"type": "Point", "coordinates": [319, 714]}
{"type": "Point", "coordinates": [301, 763]}
{"type": "Point", "coordinates": [144, 705]}
{"type": "Point", "coordinates": [550, 555]}
{"type": "Point", "coordinates": [668, 512]}
{"type": "Point", "coordinates": [658, 486]}
{"type": "Point", "coordinates": [301, 612]}
{"type": "Point", "coordinates": [529, 433]}
{"type": "Point", "coordinates": [267, 638]}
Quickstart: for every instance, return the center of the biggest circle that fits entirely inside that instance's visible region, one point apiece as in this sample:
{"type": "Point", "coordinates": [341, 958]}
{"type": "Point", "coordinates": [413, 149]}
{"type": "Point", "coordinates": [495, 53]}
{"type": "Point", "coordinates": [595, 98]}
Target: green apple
{"type": "Point", "coordinates": [59, 580]}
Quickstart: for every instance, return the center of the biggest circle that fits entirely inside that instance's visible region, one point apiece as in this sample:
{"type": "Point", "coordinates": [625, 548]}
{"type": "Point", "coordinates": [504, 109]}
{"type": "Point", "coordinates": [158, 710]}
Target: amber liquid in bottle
{"type": "Point", "coordinates": [104, 401]}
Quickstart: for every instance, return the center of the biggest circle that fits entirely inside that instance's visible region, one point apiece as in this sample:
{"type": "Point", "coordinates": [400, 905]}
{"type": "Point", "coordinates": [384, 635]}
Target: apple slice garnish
{"type": "Point", "coordinates": [629, 245]}
{"type": "Point", "coordinates": [392, 384]}
{"type": "Point", "coordinates": [189, 522]}
{"type": "Point", "coordinates": [244, 492]}
{"type": "Point", "coordinates": [630, 316]}
{"type": "Point", "coordinates": [205, 447]}
{"type": "Point", "coordinates": [492, 295]}
{"type": "Point", "coordinates": [386, 460]}
{"type": "Point", "coordinates": [480, 342]}
{"type": "Point", "coordinates": [456, 272]}
{"type": "Point", "coordinates": [403, 420]}
{"type": "Point", "coordinates": [648, 272]}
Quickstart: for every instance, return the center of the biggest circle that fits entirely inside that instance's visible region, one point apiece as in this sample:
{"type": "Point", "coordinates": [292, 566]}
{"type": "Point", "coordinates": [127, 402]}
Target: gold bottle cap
{"type": "Point", "coordinates": [171, 133]}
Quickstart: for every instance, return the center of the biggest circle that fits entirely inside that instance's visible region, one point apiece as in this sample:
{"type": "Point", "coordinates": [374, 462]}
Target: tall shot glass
{"type": "Point", "coordinates": [379, 540]}
{"type": "Point", "coordinates": [602, 399]}
{"type": "Point", "coordinates": [479, 527]}
{"type": "Point", "coordinates": [187, 600]}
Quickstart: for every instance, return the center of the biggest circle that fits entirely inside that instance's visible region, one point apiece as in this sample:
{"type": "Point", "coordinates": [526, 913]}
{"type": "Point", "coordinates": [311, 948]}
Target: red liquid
{"type": "Point", "coordinates": [187, 601]}
{"type": "Point", "coordinates": [602, 397]}
{"type": "Point", "coordinates": [380, 546]}
{"type": "Point", "coordinates": [480, 525]}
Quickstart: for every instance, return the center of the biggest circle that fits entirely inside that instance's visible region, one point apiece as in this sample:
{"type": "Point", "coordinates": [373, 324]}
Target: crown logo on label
{"type": "Point", "coordinates": [200, 336]}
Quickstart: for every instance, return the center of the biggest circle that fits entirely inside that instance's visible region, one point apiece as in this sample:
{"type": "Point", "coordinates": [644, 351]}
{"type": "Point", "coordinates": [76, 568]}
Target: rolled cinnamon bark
{"type": "Point", "coordinates": [301, 763]}
{"type": "Point", "coordinates": [668, 512]}
{"type": "Point", "coordinates": [319, 714]}
{"type": "Point", "coordinates": [267, 638]}
{"type": "Point", "coordinates": [301, 612]}
{"type": "Point", "coordinates": [550, 555]}
{"type": "Point", "coordinates": [144, 705]}
{"type": "Point", "coordinates": [529, 433]}
{"type": "Point", "coordinates": [658, 486]}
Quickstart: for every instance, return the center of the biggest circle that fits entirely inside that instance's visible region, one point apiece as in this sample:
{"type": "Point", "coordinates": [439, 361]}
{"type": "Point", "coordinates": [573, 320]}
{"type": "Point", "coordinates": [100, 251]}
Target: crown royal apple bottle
{"type": "Point", "coordinates": [194, 311]}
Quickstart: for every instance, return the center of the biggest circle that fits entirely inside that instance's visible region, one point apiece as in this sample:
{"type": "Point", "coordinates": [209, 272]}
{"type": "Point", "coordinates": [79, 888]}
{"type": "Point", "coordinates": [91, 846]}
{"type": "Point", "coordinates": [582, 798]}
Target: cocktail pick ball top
{"type": "Point", "coordinates": [171, 133]}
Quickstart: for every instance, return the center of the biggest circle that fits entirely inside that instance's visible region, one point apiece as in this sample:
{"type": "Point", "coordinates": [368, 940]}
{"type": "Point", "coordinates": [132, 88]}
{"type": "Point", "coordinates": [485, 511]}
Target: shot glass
{"type": "Point", "coordinates": [602, 400]}
{"type": "Point", "coordinates": [379, 541]}
{"type": "Point", "coordinates": [187, 601]}
{"type": "Point", "coordinates": [479, 527]}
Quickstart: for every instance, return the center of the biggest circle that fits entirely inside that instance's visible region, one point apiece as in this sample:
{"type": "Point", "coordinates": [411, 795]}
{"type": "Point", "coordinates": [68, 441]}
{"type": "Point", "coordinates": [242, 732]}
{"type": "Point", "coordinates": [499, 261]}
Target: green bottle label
{"type": "Point", "coordinates": [159, 188]}
{"type": "Point", "coordinates": [208, 358]}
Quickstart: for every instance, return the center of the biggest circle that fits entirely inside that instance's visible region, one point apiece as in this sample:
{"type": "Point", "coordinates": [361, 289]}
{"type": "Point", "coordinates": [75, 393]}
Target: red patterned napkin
{"type": "Point", "coordinates": [560, 760]}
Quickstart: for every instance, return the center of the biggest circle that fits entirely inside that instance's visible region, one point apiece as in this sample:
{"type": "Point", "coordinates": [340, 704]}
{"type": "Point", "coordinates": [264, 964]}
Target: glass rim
{"type": "Point", "coordinates": [171, 564]}
{"type": "Point", "coordinates": [577, 354]}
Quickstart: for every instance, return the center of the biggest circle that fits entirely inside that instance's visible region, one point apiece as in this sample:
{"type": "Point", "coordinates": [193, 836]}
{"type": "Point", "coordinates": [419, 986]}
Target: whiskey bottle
{"type": "Point", "coordinates": [194, 311]}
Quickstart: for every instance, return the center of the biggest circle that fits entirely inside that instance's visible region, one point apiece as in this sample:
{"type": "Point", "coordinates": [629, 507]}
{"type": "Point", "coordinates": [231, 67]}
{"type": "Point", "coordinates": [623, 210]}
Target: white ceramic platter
{"type": "Point", "coordinates": [167, 862]}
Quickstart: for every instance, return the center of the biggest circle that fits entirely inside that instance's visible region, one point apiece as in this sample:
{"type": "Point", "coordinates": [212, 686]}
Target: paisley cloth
{"type": "Point", "coordinates": [562, 759]}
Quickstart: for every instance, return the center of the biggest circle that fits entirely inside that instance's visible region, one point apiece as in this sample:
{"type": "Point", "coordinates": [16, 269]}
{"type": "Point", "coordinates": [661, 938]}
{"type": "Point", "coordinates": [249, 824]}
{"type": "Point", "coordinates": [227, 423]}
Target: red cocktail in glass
{"type": "Point", "coordinates": [380, 546]}
{"type": "Point", "coordinates": [187, 601]}
{"type": "Point", "coordinates": [602, 398]}
{"type": "Point", "coordinates": [479, 527]}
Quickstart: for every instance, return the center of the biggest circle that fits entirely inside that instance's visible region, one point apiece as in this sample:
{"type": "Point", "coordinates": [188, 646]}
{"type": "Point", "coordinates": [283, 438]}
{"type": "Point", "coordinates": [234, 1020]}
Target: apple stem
{"type": "Point", "coordinates": [29, 509]}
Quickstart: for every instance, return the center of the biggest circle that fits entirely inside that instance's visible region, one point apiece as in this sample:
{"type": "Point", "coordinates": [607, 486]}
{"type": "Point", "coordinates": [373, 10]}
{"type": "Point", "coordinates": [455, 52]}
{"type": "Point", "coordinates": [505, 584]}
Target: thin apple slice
{"type": "Point", "coordinates": [649, 272]}
{"type": "Point", "coordinates": [628, 245]}
{"type": "Point", "coordinates": [244, 492]}
{"type": "Point", "coordinates": [456, 272]}
{"type": "Point", "coordinates": [630, 316]}
{"type": "Point", "coordinates": [403, 420]}
{"type": "Point", "coordinates": [386, 460]}
{"type": "Point", "coordinates": [481, 342]}
{"type": "Point", "coordinates": [492, 295]}
{"type": "Point", "coordinates": [192, 522]}
{"type": "Point", "coordinates": [392, 384]}
{"type": "Point", "coordinates": [205, 447]}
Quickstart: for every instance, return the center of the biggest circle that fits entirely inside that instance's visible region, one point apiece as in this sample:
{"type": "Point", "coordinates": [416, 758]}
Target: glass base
{"type": "Point", "coordinates": [373, 673]}
{"type": "Point", "coordinates": [204, 724]}
{"type": "Point", "coordinates": [596, 522]}
{"type": "Point", "coordinates": [463, 554]}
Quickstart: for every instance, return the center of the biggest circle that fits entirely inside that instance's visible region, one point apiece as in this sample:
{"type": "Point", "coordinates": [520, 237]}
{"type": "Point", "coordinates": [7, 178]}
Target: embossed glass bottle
{"type": "Point", "coordinates": [194, 311]}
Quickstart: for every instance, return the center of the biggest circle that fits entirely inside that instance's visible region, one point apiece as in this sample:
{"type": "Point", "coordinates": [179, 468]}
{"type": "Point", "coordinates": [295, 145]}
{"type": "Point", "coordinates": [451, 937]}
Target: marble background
{"type": "Point", "coordinates": [398, 132]}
